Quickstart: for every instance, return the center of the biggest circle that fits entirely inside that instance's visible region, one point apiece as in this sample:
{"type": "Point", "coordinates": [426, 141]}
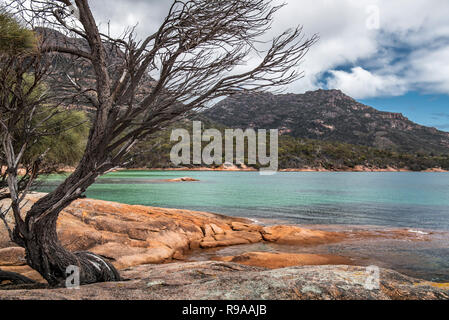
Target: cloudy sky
{"type": "Point", "coordinates": [390, 54]}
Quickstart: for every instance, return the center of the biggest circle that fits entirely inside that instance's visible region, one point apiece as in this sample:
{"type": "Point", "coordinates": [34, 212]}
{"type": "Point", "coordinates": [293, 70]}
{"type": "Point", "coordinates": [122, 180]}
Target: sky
{"type": "Point", "coordinates": [390, 54]}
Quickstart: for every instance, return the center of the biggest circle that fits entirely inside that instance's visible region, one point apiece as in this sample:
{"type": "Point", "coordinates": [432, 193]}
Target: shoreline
{"type": "Point", "coordinates": [360, 169]}
{"type": "Point", "coordinates": [433, 170]}
{"type": "Point", "coordinates": [145, 238]}
{"type": "Point", "coordinates": [133, 234]}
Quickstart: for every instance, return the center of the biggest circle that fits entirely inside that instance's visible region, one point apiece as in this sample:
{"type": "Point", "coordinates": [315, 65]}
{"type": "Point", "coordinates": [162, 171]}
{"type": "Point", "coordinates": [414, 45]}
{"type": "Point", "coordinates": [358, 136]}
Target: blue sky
{"type": "Point", "coordinates": [428, 109]}
{"type": "Point", "coordinates": [404, 93]}
{"type": "Point", "coordinates": [390, 54]}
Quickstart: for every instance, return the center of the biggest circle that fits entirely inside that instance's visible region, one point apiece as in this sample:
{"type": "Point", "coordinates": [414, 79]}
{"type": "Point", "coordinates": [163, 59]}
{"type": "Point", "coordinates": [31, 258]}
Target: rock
{"type": "Point", "coordinates": [25, 271]}
{"type": "Point", "coordinates": [230, 281]}
{"type": "Point", "coordinates": [273, 260]}
{"type": "Point", "coordinates": [251, 237]}
{"type": "Point", "coordinates": [208, 231]}
{"type": "Point", "coordinates": [178, 255]}
{"type": "Point", "coordinates": [124, 256]}
{"type": "Point", "coordinates": [239, 226]}
{"type": "Point", "coordinates": [222, 241]}
{"type": "Point", "coordinates": [216, 229]}
{"type": "Point", "coordinates": [134, 235]}
{"type": "Point", "coordinates": [184, 179]}
{"type": "Point", "coordinates": [13, 256]}
{"type": "Point", "coordinates": [149, 256]}
{"type": "Point", "coordinates": [229, 166]}
{"type": "Point", "coordinates": [242, 166]}
{"type": "Point", "coordinates": [297, 235]}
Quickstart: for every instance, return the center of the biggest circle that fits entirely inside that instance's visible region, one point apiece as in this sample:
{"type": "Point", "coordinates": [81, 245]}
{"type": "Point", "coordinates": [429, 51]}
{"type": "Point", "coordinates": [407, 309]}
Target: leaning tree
{"type": "Point", "coordinates": [31, 123]}
{"type": "Point", "coordinates": [138, 87]}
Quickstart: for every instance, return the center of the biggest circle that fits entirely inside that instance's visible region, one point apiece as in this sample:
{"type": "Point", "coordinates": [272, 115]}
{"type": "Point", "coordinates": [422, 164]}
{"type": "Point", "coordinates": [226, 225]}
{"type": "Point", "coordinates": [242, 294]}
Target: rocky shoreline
{"type": "Point", "coordinates": [319, 169]}
{"type": "Point", "coordinates": [249, 169]}
{"type": "Point", "coordinates": [141, 238]}
{"type": "Point", "coordinates": [231, 281]}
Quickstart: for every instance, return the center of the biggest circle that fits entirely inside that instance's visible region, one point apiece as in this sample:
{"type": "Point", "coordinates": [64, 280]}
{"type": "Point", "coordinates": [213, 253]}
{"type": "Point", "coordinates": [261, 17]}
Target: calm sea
{"type": "Point", "coordinates": [418, 201]}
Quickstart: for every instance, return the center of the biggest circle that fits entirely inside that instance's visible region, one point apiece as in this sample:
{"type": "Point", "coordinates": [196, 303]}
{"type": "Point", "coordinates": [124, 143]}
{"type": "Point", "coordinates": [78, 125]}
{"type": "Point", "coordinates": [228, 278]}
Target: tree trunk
{"type": "Point", "coordinates": [44, 252]}
{"type": "Point", "coordinates": [46, 255]}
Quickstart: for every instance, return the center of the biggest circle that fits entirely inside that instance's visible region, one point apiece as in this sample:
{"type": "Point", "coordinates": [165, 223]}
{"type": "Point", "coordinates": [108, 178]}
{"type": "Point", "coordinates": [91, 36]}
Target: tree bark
{"type": "Point", "coordinates": [15, 278]}
{"type": "Point", "coordinates": [45, 253]}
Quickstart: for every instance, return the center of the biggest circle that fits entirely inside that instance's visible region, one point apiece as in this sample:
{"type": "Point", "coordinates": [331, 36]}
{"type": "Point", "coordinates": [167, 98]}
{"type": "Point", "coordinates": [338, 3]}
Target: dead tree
{"type": "Point", "coordinates": [189, 61]}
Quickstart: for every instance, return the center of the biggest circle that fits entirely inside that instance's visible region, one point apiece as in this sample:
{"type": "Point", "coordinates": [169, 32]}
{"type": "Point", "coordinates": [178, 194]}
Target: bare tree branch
{"type": "Point", "coordinates": [203, 50]}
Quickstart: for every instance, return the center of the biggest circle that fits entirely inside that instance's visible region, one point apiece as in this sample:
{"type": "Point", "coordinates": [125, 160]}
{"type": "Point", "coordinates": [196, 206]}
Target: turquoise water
{"type": "Point", "coordinates": [418, 200]}
{"type": "Point", "coordinates": [333, 200]}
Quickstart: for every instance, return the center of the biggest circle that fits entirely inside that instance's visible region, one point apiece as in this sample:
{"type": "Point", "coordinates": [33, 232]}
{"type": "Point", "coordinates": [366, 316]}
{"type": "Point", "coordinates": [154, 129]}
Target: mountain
{"type": "Point", "coordinates": [328, 115]}
{"type": "Point", "coordinates": [319, 115]}
{"type": "Point", "coordinates": [320, 129]}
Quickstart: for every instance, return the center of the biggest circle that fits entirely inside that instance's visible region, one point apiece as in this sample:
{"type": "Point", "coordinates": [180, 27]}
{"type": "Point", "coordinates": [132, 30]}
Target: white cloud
{"type": "Point", "coordinates": [430, 69]}
{"type": "Point", "coordinates": [418, 26]}
{"type": "Point", "coordinates": [360, 83]}
{"type": "Point", "coordinates": [378, 69]}
{"type": "Point", "coordinates": [344, 37]}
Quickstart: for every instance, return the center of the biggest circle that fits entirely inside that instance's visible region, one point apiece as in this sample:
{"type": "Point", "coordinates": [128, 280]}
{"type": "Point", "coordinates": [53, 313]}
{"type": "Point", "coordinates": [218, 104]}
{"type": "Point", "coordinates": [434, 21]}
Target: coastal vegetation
{"type": "Point", "coordinates": [72, 96]}
{"type": "Point", "coordinates": [28, 121]}
{"type": "Point", "coordinates": [298, 153]}
{"type": "Point", "coordinates": [134, 88]}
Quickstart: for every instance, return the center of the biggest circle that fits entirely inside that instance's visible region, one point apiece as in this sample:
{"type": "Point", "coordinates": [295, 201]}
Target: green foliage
{"type": "Point", "coordinates": [300, 153]}
{"type": "Point", "coordinates": [14, 38]}
{"type": "Point", "coordinates": [60, 133]}
{"type": "Point", "coordinates": [51, 137]}
{"type": "Point", "coordinates": [65, 143]}
{"type": "Point", "coordinates": [297, 153]}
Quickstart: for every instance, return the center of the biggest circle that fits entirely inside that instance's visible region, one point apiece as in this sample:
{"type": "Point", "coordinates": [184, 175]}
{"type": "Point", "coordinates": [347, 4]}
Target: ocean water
{"type": "Point", "coordinates": [418, 202]}
{"type": "Point", "coordinates": [406, 199]}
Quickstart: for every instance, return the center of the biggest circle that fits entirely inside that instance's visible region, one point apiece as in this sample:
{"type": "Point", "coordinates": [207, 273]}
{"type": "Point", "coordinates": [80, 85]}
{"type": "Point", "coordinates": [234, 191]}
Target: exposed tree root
{"type": "Point", "coordinates": [96, 269]}
{"type": "Point", "coordinates": [14, 278]}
